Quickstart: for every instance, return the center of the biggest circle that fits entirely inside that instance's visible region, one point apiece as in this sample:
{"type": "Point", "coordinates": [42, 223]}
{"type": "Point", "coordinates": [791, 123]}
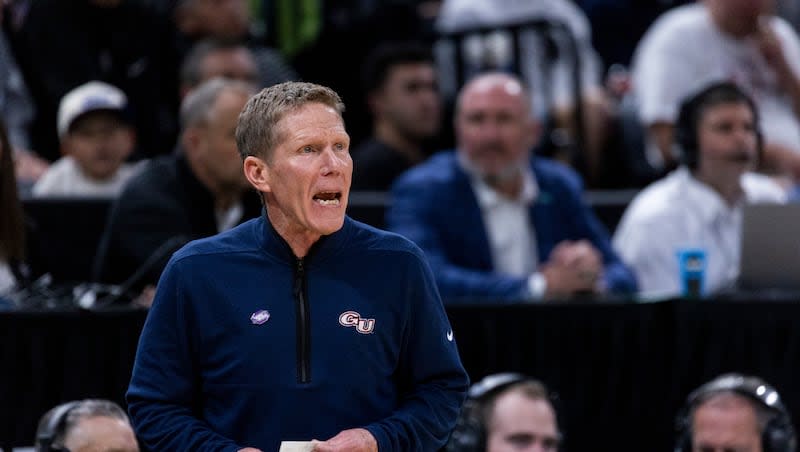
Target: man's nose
{"type": "Point", "coordinates": [333, 161]}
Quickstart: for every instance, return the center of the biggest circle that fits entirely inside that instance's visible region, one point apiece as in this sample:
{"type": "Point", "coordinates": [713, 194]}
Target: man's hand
{"type": "Point", "coordinates": [573, 267]}
{"type": "Point", "coordinates": [249, 449]}
{"type": "Point", "coordinates": [354, 440]}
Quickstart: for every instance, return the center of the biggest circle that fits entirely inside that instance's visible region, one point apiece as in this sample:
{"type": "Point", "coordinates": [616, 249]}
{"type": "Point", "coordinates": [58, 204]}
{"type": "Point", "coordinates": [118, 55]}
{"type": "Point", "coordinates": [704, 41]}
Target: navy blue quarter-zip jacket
{"type": "Point", "coordinates": [247, 345]}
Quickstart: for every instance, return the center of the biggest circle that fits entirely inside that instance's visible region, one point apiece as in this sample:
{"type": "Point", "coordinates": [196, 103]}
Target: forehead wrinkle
{"type": "Point", "coordinates": [311, 131]}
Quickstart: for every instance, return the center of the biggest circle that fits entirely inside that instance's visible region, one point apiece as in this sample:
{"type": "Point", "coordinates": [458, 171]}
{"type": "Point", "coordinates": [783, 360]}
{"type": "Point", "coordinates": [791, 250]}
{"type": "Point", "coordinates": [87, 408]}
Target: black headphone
{"type": "Point", "coordinates": [778, 434]}
{"type": "Point", "coordinates": [693, 107]}
{"type": "Point", "coordinates": [54, 428]}
{"type": "Point", "coordinates": [470, 433]}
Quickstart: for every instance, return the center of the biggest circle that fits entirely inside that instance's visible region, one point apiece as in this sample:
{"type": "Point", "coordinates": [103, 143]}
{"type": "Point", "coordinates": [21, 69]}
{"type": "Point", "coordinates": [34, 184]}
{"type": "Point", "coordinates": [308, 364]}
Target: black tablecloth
{"type": "Point", "coordinates": [622, 370]}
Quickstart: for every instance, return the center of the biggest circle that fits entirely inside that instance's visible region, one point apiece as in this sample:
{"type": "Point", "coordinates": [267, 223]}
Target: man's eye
{"type": "Point", "coordinates": [307, 149]}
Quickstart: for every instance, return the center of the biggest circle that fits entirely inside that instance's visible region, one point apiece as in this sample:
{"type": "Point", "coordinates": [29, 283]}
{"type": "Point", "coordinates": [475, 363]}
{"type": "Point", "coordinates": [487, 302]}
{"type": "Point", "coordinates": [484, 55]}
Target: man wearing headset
{"type": "Point", "coordinates": [738, 413]}
{"type": "Point", "coordinates": [700, 203]}
{"type": "Point", "coordinates": [90, 425]}
{"type": "Point", "coordinates": [507, 412]}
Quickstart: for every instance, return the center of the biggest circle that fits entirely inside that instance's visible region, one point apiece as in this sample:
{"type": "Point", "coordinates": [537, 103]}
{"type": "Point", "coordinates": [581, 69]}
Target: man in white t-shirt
{"type": "Point", "coordinates": [96, 138]}
{"type": "Point", "coordinates": [700, 203]}
{"type": "Point", "coordinates": [715, 40]}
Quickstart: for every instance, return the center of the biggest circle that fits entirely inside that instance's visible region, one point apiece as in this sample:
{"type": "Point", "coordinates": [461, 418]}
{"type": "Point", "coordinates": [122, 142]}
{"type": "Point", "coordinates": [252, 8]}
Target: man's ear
{"type": "Point", "coordinates": [257, 173]}
{"type": "Point", "coordinates": [190, 139]}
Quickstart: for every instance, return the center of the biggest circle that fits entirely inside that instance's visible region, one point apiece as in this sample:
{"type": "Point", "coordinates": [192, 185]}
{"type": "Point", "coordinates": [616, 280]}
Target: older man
{"type": "Point", "coordinates": [735, 412]}
{"type": "Point", "coordinates": [496, 223]}
{"type": "Point", "coordinates": [91, 425]}
{"type": "Point", "coordinates": [302, 324]}
{"type": "Point", "coordinates": [196, 192]}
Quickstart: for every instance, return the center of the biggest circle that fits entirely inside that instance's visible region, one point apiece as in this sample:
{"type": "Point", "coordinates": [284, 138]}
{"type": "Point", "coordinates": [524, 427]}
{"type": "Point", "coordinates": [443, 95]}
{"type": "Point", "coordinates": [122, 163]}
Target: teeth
{"type": "Point", "coordinates": [328, 202]}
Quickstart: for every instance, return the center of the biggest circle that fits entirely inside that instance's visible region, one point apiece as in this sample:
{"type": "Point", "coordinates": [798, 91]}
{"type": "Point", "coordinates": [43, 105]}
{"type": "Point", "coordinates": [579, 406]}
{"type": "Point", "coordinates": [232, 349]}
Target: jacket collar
{"type": "Point", "coordinates": [324, 248]}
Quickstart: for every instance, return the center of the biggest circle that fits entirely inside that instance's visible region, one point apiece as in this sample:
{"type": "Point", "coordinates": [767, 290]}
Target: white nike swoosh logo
{"type": "Point", "coordinates": [450, 335]}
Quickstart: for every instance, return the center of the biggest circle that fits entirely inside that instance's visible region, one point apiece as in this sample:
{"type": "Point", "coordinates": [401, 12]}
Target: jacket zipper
{"type": "Point", "coordinates": [303, 329]}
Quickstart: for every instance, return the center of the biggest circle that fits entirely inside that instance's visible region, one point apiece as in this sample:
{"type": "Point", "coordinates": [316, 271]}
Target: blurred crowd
{"type": "Point", "coordinates": [114, 99]}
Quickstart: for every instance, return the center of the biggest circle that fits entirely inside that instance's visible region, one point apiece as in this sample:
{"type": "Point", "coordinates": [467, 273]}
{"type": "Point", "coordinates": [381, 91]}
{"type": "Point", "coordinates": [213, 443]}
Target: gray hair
{"type": "Point", "coordinates": [257, 132]}
{"type": "Point", "coordinates": [197, 106]}
{"type": "Point", "coordinates": [763, 414]}
{"type": "Point", "coordinates": [69, 415]}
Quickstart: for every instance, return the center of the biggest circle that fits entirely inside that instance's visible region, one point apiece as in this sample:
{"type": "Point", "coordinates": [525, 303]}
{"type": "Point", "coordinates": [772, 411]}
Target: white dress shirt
{"type": "Point", "coordinates": [681, 212]}
{"type": "Point", "coordinates": [511, 234]}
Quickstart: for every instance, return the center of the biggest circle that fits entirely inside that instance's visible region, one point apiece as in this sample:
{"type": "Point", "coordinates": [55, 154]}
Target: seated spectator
{"type": "Point", "coordinates": [12, 225]}
{"type": "Point", "coordinates": [700, 203]}
{"type": "Point", "coordinates": [402, 93]}
{"type": "Point", "coordinates": [96, 138]}
{"type": "Point", "coordinates": [197, 192]}
{"type": "Point", "coordinates": [734, 412]}
{"type": "Point", "coordinates": [229, 20]}
{"type": "Point", "coordinates": [90, 425]}
{"type": "Point", "coordinates": [546, 66]}
{"type": "Point", "coordinates": [496, 223]}
{"type": "Point", "coordinates": [506, 412]}
{"type": "Point", "coordinates": [211, 58]}
{"type": "Point", "coordinates": [741, 42]}
{"type": "Point", "coordinates": [61, 45]}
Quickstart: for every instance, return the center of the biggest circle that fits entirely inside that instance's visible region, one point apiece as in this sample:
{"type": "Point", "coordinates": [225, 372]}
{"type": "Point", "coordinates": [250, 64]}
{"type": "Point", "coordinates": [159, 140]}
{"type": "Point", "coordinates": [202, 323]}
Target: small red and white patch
{"type": "Point", "coordinates": [354, 319]}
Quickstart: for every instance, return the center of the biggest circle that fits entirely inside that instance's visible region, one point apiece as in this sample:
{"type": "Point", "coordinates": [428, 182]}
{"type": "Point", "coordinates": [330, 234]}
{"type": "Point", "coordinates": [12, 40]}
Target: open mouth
{"type": "Point", "coordinates": [328, 198]}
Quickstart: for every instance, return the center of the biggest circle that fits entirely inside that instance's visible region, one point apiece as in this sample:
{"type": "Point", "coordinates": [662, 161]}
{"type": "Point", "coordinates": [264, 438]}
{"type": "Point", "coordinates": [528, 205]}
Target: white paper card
{"type": "Point", "coordinates": [296, 446]}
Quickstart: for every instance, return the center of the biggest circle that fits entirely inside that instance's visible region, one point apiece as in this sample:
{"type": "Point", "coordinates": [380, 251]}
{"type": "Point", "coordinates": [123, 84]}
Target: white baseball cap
{"type": "Point", "coordinates": [91, 96]}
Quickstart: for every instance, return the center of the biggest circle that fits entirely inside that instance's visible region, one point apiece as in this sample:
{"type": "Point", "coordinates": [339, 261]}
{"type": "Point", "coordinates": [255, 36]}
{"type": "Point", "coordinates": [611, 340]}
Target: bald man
{"type": "Point", "coordinates": [497, 223]}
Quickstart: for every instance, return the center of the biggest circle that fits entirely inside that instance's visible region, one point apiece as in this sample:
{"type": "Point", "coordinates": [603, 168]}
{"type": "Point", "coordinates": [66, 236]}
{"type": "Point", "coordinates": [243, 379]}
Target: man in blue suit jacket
{"type": "Point", "coordinates": [497, 223]}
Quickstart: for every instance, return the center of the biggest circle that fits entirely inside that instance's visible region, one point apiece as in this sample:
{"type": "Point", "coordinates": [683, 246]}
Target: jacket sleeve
{"type": "Point", "coordinates": [413, 214]}
{"type": "Point", "coordinates": [429, 370]}
{"type": "Point", "coordinates": [163, 389]}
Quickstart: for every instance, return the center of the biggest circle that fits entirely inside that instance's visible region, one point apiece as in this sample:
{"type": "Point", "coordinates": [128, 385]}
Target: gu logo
{"type": "Point", "coordinates": [352, 318]}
